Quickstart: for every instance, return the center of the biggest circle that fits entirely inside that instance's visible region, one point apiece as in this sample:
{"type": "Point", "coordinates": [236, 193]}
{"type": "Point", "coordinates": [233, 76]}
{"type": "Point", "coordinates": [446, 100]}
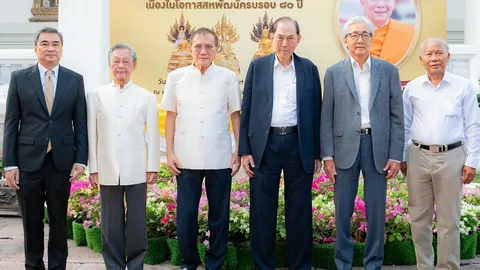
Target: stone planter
{"type": "Point", "coordinates": [8, 200]}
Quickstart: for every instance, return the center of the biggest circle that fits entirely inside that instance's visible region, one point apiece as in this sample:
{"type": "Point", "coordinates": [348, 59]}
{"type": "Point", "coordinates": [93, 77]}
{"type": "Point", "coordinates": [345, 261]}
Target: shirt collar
{"type": "Point", "coordinates": [447, 77]}
{"type": "Point", "coordinates": [210, 69]}
{"type": "Point", "coordinates": [127, 85]}
{"type": "Point", "coordinates": [366, 66]}
{"type": "Point", "coordinates": [43, 70]}
{"type": "Point", "coordinates": [277, 63]}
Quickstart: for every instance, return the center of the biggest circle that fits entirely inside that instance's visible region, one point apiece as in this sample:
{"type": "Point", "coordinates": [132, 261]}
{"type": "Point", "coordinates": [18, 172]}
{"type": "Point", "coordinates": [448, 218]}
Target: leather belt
{"type": "Point", "coordinates": [364, 131]}
{"type": "Point", "coordinates": [434, 148]}
{"type": "Point", "coordinates": [283, 130]}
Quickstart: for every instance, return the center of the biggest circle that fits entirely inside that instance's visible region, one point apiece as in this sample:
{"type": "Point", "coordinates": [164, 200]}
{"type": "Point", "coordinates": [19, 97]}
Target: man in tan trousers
{"type": "Point", "coordinates": [442, 143]}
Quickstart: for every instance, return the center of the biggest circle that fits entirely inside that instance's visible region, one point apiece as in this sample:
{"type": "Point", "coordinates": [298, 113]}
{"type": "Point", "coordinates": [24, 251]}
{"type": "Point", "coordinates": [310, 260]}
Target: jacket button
{"type": "Point", "coordinates": [266, 132]}
{"type": "Point", "coordinates": [358, 113]}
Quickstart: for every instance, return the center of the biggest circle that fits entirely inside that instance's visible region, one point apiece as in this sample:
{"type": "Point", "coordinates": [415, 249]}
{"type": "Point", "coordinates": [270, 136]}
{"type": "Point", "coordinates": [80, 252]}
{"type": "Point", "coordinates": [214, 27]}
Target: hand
{"type": "Point", "coordinates": [13, 178]}
{"type": "Point", "coordinates": [468, 174]}
{"type": "Point", "coordinates": [403, 168]}
{"type": "Point", "coordinates": [247, 162]}
{"type": "Point", "coordinates": [318, 165]}
{"type": "Point", "coordinates": [329, 166]}
{"type": "Point", "coordinates": [173, 163]}
{"type": "Point", "coordinates": [93, 178]}
{"type": "Point", "coordinates": [151, 177]}
{"type": "Point", "coordinates": [235, 164]}
{"type": "Point", "coordinates": [76, 172]}
{"type": "Point", "coordinates": [392, 169]}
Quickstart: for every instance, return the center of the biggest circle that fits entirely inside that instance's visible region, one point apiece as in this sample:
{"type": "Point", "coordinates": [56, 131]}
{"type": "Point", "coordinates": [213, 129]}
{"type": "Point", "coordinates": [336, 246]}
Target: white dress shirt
{"type": "Point", "coordinates": [363, 85]}
{"type": "Point", "coordinates": [203, 103]}
{"type": "Point", "coordinates": [123, 135]}
{"type": "Point", "coordinates": [43, 77]}
{"type": "Point", "coordinates": [284, 112]}
{"type": "Point", "coordinates": [443, 115]}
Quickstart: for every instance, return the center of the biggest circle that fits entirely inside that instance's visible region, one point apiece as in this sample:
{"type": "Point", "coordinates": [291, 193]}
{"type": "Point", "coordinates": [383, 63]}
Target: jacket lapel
{"type": "Point", "coordinates": [349, 78]}
{"type": "Point", "coordinates": [269, 77]}
{"type": "Point", "coordinates": [300, 78]}
{"type": "Point", "coordinates": [61, 82]}
{"type": "Point", "coordinates": [375, 75]}
{"type": "Point", "coordinates": [34, 77]}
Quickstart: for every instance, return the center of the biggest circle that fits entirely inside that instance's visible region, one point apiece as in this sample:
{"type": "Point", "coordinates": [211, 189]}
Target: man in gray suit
{"type": "Point", "coordinates": [361, 129]}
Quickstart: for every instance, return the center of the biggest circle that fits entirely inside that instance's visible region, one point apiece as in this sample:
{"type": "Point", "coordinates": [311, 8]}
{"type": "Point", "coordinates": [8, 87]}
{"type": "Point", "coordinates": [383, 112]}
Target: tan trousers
{"type": "Point", "coordinates": [435, 178]}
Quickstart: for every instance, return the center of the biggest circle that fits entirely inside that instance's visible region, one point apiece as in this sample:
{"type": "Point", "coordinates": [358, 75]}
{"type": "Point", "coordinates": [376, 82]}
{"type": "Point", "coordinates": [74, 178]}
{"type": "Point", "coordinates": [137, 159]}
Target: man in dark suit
{"type": "Point", "coordinates": [279, 130]}
{"type": "Point", "coordinates": [361, 130]}
{"type": "Point", "coordinates": [45, 146]}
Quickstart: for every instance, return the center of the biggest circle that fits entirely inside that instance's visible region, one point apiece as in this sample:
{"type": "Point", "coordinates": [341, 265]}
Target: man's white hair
{"type": "Point", "coordinates": [355, 20]}
{"type": "Point", "coordinates": [437, 40]}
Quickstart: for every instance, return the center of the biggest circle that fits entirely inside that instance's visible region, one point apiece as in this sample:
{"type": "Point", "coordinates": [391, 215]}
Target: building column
{"type": "Point", "coordinates": [472, 38]}
{"type": "Point", "coordinates": [85, 26]}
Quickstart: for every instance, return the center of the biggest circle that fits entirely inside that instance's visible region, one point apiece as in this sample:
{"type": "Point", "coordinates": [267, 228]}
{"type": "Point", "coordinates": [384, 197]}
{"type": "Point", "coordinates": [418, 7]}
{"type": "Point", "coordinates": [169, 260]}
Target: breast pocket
{"type": "Point", "coordinates": [451, 107]}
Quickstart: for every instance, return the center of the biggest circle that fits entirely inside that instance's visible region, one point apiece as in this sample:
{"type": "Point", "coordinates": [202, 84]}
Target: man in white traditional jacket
{"type": "Point", "coordinates": [124, 156]}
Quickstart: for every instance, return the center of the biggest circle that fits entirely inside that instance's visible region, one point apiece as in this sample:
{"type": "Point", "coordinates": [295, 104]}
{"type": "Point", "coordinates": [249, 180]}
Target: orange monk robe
{"type": "Point", "coordinates": [392, 41]}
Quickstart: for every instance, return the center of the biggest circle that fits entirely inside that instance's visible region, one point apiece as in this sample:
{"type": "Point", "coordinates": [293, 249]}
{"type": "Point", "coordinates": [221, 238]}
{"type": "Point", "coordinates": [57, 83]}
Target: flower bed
{"type": "Point", "coordinates": [161, 222]}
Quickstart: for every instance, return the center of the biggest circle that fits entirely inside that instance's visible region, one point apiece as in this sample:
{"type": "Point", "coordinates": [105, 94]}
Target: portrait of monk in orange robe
{"type": "Point", "coordinates": [391, 38]}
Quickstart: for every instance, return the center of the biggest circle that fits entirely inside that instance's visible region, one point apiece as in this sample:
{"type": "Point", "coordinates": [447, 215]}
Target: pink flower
{"type": "Point", "coordinates": [172, 207]}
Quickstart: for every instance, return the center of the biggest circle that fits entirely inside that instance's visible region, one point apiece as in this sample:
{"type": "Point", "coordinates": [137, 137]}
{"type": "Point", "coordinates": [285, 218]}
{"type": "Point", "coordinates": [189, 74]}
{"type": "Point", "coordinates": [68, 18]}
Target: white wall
{"type": "Point", "coordinates": [15, 11]}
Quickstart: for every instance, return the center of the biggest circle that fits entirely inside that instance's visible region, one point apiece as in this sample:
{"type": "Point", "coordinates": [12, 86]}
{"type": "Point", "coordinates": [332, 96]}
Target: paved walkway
{"type": "Point", "coordinates": [83, 258]}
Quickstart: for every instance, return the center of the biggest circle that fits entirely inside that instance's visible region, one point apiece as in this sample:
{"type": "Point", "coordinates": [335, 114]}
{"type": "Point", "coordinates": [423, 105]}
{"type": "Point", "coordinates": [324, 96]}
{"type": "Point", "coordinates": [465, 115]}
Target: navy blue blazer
{"type": "Point", "coordinates": [257, 108]}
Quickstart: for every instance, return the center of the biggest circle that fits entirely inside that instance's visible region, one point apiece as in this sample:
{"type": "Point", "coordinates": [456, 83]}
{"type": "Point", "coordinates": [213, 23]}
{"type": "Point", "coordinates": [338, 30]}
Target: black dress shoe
{"type": "Point", "coordinates": [186, 268]}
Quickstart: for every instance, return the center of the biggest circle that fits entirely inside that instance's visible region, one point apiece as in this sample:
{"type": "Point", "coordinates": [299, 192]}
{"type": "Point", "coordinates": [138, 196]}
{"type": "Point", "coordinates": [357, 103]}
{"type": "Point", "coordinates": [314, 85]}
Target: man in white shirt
{"type": "Point", "coordinates": [442, 150]}
{"type": "Point", "coordinates": [124, 156]}
{"type": "Point", "coordinates": [280, 131]}
{"type": "Point", "coordinates": [199, 100]}
{"type": "Point", "coordinates": [361, 130]}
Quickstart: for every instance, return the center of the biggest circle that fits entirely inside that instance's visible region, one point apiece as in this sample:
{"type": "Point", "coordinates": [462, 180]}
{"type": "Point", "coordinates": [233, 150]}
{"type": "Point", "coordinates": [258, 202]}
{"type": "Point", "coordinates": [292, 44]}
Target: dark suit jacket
{"type": "Point", "coordinates": [258, 104]}
{"type": "Point", "coordinates": [28, 126]}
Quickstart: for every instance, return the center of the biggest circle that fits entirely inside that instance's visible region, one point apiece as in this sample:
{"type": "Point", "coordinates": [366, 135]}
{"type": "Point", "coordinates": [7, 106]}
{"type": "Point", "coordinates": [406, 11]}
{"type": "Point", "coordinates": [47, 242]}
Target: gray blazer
{"type": "Point", "coordinates": [341, 118]}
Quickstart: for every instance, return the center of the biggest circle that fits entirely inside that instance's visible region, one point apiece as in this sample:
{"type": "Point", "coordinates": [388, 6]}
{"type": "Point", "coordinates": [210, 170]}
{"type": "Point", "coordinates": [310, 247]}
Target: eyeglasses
{"type": "Point", "coordinates": [365, 36]}
{"type": "Point", "coordinates": [207, 47]}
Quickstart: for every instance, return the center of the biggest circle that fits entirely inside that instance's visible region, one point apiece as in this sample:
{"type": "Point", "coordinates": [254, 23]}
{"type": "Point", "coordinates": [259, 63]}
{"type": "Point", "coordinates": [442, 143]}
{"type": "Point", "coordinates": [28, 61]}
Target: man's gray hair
{"type": "Point", "coordinates": [437, 40]}
{"type": "Point", "coordinates": [355, 20]}
{"type": "Point", "coordinates": [48, 30]}
{"type": "Point", "coordinates": [133, 54]}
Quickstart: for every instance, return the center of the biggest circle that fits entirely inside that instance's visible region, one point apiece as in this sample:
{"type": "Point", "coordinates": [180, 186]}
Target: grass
{"type": "Point", "coordinates": [477, 178]}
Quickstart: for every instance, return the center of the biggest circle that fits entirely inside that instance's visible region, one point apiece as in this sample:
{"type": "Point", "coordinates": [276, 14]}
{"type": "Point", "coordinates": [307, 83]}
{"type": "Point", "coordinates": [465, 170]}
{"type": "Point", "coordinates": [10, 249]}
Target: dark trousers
{"type": "Point", "coordinates": [52, 186]}
{"type": "Point", "coordinates": [115, 226]}
{"type": "Point", "coordinates": [346, 187]}
{"type": "Point", "coordinates": [281, 153]}
{"type": "Point", "coordinates": [189, 189]}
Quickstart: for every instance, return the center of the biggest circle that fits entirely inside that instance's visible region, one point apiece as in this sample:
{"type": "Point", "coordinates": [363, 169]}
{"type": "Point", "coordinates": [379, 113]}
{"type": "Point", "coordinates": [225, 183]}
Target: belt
{"type": "Point", "coordinates": [364, 131]}
{"type": "Point", "coordinates": [434, 148]}
{"type": "Point", "coordinates": [283, 130]}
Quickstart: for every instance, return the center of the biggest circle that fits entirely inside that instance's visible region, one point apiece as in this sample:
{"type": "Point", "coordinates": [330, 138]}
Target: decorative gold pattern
{"type": "Point", "coordinates": [227, 35]}
{"type": "Point", "coordinates": [180, 33]}
{"type": "Point", "coordinates": [44, 11]}
{"type": "Point", "coordinates": [261, 35]}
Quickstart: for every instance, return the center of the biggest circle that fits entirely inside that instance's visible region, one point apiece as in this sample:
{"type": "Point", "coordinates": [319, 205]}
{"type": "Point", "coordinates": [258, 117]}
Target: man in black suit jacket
{"type": "Point", "coordinates": [45, 146]}
{"type": "Point", "coordinates": [279, 130]}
